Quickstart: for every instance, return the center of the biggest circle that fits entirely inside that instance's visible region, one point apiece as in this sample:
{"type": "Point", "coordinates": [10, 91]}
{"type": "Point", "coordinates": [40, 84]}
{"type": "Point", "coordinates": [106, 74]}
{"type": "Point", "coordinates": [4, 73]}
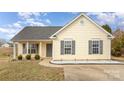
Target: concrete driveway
{"type": "Point", "coordinates": [90, 72]}
{"type": "Point", "coordinates": [94, 72]}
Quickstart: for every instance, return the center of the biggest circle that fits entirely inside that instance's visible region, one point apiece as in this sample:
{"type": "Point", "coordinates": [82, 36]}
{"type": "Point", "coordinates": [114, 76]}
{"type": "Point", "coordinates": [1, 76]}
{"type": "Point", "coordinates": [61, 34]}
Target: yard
{"type": "Point", "coordinates": [121, 58]}
{"type": "Point", "coordinates": [29, 71]}
{"type": "Point", "coordinates": [26, 70]}
{"type": "Point", "coordinates": [5, 52]}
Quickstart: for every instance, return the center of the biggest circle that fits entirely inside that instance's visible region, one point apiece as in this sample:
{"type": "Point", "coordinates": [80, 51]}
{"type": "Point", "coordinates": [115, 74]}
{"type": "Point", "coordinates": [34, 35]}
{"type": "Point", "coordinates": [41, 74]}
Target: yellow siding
{"type": "Point", "coordinates": [81, 33]}
{"type": "Point", "coordinates": [19, 50]}
{"type": "Point", "coordinates": [44, 50]}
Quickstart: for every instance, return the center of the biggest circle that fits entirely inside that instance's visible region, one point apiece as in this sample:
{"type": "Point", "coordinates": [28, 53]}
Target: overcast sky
{"type": "Point", "coordinates": [12, 22]}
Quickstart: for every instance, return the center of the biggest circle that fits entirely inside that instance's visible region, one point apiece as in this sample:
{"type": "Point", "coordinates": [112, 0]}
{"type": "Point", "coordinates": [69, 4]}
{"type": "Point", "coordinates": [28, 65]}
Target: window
{"type": "Point", "coordinates": [96, 47]}
{"type": "Point", "coordinates": [33, 48]}
{"type": "Point", "coordinates": [67, 47]}
{"type": "Point", "coordinates": [24, 49]}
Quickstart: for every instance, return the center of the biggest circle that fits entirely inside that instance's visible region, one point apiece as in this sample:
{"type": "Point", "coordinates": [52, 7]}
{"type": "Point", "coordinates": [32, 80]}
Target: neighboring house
{"type": "Point", "coordinates": [80, 39]}
{"type": "Point", "coordinates": [5, 45]}
{"type": "Point", "coordinates": [2, 41]}
{"type": "Point", "coordinates": [0, 44]}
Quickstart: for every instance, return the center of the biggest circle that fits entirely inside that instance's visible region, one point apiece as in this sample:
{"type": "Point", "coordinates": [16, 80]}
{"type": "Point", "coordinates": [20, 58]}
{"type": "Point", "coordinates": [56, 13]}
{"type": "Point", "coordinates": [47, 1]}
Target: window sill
{"type": "Point", "coordinates": [95, 54]}
{"type": "Point", "coordinates": [68, 54]}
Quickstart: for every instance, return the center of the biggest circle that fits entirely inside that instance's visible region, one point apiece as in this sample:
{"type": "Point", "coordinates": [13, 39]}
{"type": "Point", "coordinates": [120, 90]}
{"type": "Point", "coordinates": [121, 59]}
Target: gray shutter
{"type": "Point", "coordinates": [62, 47]}
{"type": "Point", "coordinates": [73, 47]}
{"type": "Point", "coordinates": [101, 46]}
{"type": "Point", "coordinates": [90, 47]}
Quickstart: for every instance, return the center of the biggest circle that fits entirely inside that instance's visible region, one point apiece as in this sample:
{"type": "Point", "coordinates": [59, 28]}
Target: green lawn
{"type": "Point", "coordinates": [29, 71]}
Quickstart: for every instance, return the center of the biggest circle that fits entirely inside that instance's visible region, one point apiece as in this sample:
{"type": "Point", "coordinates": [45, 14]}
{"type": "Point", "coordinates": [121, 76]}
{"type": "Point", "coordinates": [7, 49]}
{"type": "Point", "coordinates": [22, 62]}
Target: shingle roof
{"type": "Point", "coordinates": [36, 33]}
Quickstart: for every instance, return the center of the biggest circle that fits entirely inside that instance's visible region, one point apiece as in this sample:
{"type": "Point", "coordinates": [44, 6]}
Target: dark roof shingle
{"type": "Point", "coordinates": [36, 33]}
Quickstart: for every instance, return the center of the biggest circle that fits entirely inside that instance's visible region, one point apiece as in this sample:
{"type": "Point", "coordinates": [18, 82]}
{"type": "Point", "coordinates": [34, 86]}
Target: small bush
{"type": "Point", "coordinates": [113, 52]}
{"type": "Point", "coordinates": [20, 57]}
{"type": "Point", "coordinates": [37, 57]}
{"type": "Point", "coordinates": [28, 57]}
{"type": "Point", "coordinates": [116, 53]}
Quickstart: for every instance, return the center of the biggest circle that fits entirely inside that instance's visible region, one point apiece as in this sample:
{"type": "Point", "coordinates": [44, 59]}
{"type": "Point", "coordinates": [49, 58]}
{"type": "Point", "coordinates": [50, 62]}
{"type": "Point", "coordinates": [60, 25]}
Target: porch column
{"type": "Point", "coordinates": [14, 50]}
{"type": "Point", "coordinates": [27, 47]}
{"type": "Point", "coordinates": [40, 49]}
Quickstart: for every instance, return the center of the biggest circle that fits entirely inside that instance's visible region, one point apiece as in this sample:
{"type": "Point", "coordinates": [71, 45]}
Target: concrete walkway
{"type": "Point", "coordinates": [46, 62]}
{"type": "Point", "coordinates": [88, 62]}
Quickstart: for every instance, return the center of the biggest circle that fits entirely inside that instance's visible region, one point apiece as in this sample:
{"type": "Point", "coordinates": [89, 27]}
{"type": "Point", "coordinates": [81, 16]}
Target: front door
{"type": "Point", "coordinates": [49, 50]}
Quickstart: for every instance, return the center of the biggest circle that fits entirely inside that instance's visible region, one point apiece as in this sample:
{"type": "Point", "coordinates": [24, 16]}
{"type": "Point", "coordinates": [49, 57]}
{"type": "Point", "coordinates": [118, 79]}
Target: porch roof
{"type": "Point", "coordinates": [36, 33]}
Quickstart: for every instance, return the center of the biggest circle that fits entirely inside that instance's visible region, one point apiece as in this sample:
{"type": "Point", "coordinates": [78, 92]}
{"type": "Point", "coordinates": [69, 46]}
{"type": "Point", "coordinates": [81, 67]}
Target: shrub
{"type": "Point", "coordinates": [116, 53]}
{"type": "Point", "coordinates": [118, 48]}
{"type": "Point", "coordinates": [28, 57]}
{"type": "Point", "coordinates": [37, 57]}
{"type": "Point", "coordinates": [113, 51]}
{"type": "Point", "coordinates": [20, 57]}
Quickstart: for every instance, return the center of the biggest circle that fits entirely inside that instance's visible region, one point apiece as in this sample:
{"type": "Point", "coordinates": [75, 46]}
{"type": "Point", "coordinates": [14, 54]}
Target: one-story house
{"type": "Point", "coordinates": [6, 45]}
{"type": "Point", "coordinates": [80, 39]}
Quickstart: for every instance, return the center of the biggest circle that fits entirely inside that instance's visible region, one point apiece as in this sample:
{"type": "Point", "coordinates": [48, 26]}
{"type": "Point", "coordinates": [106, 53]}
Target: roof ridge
{"type": "Point", "coordinates": [43, 26]}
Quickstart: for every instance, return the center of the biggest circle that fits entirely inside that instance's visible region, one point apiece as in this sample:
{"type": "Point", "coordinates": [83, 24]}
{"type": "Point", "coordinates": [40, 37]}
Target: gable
{"type": "Point", "coordinates": [80, 29]}
{"type": "Point", "coordinates": [86, 21]}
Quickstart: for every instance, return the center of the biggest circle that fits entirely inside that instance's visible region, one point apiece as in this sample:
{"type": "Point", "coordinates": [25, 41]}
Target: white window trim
{"type": "Point", "coordinates": [30, 48]}
{"type": "Point", "coordinates": [95, 47]}
{"type": "Point", "coordinates": [66, 47]}
{"type": "Point", "coordinates": [34, 48]}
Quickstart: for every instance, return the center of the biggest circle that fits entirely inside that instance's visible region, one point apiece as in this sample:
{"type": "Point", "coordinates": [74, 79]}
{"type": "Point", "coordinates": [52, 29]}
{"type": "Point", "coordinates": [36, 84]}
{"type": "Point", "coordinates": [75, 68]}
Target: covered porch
{"type": "Point", "coordinates": [42, 48]}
